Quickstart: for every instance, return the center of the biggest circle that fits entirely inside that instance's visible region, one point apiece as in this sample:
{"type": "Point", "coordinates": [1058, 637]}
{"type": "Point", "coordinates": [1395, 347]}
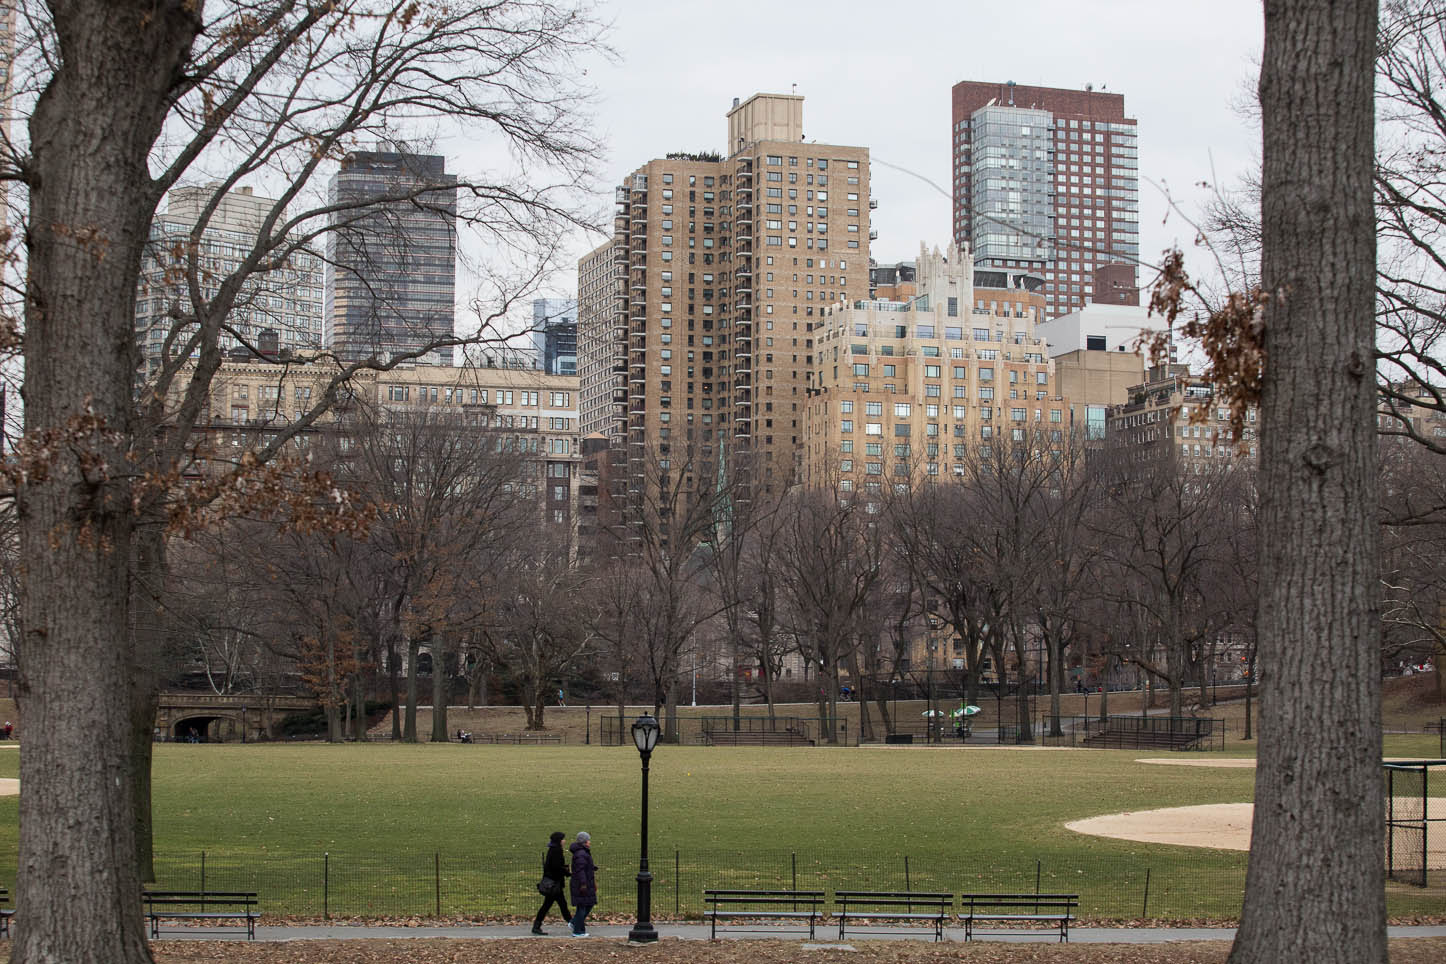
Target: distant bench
{"type": "Point", "coordinates": [785, 905]}
{"type": "Point", "coordinates": [907, 906]}
{"type": "Point", "coordinates": [517, 738]}
{"type": "Point", "coordinates": [1056, 910]}
{"type": "Point", "coordinates": [195, 905]}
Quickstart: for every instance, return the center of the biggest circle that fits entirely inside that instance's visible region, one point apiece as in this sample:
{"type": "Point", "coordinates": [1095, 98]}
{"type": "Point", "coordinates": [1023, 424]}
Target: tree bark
{"type": "Point", "coordinates": [90, 210]}
{"type": "Point", "coordinates": [1315, 888]}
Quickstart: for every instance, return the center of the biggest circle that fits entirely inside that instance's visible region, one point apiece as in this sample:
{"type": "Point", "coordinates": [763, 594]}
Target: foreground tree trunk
{"type": "Point", "coordinates": [90, 135]}
{"type": "Point", "coordinates": [1315, 888]}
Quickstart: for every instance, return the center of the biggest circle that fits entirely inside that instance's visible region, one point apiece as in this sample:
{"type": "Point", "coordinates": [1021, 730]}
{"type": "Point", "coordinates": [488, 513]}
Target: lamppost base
{"type": "Point", "coordinates": [642, 934]}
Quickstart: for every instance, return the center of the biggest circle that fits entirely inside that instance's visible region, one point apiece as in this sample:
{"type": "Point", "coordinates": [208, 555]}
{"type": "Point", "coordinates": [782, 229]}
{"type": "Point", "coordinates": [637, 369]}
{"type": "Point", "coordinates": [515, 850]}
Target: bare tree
{"type": "Point", "coordinates": [830, 557]}
{"type": "Point", "coordinates": [123, 101]}
{"type": "Point", "coordinates": [1160, 533]}
{"type": "Point", "coordinates": [540, 634]}
{"type": "Point", "coordinates": [454, 498]}
{"type": "Point", "coordinates": [663, 526]}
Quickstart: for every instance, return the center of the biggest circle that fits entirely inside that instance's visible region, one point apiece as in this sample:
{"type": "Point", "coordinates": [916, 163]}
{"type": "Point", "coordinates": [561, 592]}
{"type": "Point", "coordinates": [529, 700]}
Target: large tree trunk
{"type": "Point", "coordinates": [1315, 889]}
{"type": "Point", "coordinates": [439, 693]}
{"type": "Point", "coordinates": [90, 134]}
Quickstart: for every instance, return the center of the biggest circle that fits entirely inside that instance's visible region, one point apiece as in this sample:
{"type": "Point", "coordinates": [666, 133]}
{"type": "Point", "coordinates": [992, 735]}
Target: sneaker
{"type": "Point", "coordinates": [583, 934]}
{"type": "Point", "coordinates": [539, 932]}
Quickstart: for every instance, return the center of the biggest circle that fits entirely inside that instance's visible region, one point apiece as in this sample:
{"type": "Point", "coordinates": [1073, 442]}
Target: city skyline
{"type": "Point", "coordinates": [1184, 99]}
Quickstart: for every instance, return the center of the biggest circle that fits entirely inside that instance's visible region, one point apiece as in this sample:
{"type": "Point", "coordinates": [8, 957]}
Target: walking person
{"type": "Point", "coordinates": [554, 869]}
{"type": "Point", "coordinates": [584, 882]}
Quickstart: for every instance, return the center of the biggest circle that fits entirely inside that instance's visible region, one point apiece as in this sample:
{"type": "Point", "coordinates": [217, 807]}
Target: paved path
{"type": "Point", "coordinates": [699, 932]}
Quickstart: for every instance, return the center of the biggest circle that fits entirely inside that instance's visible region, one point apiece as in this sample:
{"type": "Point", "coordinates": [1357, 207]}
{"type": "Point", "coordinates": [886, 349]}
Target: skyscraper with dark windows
{"type": "Point", "coordinates": [554, 335]}
{"type": "Point", "coordinates": [392, 256]}
{"type": "Point", "coordinates": [1047, 180]}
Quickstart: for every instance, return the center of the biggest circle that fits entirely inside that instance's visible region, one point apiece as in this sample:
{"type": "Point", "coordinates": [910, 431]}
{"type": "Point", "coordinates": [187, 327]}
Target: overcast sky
{"type": "Point", "coordinates": [879, 75]}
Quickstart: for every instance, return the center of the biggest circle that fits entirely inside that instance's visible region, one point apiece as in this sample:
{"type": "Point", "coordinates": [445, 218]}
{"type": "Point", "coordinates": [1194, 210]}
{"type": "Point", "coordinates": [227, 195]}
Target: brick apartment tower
{"type": "Point", "coordinates": [725, 265]}
{"type": "Point", "coordinates": [1047, 180]}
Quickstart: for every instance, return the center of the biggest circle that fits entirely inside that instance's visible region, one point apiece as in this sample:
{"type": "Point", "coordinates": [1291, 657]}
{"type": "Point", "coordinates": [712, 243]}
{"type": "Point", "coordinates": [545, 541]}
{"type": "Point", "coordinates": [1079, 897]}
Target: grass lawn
{"type": "Point", "coordinates": [453, 830]}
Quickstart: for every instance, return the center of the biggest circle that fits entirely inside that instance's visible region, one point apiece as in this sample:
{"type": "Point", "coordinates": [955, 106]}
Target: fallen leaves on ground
{"type": "Point", "coordinates": [673, 951]}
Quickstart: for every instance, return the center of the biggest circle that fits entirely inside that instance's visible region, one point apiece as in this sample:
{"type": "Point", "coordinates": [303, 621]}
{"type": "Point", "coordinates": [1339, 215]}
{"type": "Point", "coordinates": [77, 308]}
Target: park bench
{"type": "Point", "coordinates": [757, 738]}
{"type": "Point", "coordinates": [784, 905]}
{"type": "Point", "coordinates": [875, 905]}
{"type": "Point", "coordinates": [5, 912]}
{"type": "Point", "coordinates": [1056, 910]}
{"type": "Point", "coordinates": [518, 739]}
{"type": "Point", "coordinates": [195, 905]}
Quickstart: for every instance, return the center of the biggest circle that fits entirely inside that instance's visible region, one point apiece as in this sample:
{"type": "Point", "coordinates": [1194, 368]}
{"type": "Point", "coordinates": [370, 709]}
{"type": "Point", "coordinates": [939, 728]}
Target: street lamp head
{"type": "Point", "coordinates": [645, 733]}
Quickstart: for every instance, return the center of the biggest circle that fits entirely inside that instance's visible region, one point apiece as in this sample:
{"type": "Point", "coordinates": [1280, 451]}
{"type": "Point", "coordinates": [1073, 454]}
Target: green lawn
{"type": "Point", "coordinates": [396, 830]}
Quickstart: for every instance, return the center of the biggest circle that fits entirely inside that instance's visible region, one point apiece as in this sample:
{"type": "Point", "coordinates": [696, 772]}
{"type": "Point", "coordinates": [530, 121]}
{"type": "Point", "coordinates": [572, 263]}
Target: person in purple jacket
{"type": "Point", "coordinates": [584, 882]}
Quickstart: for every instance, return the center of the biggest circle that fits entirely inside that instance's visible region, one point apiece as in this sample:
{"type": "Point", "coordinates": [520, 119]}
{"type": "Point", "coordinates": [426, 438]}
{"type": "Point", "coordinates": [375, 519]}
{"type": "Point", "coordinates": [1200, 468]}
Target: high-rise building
{"type": "Point", "coordinates": [554, 335]}
{"type": "Point", "coordinates": [911, 390]}
{"type": "Point", "coordinates": [602, 330]}
{"type": "Point", "coordinates": [1047, 180]}
{"type": "Point", "coordinates": [392, 255]}
{"type": "Point", "coordinates": [727, 263]}
{"type": "Point", "coordinates": [277, 311]}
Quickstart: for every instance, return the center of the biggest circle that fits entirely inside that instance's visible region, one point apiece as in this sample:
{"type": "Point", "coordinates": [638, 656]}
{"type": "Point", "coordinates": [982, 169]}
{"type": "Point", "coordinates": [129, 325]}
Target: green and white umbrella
{"type": "Point", "coordinates": [933, 713]}
{"type": "Point", "coordinates": [965, 711]}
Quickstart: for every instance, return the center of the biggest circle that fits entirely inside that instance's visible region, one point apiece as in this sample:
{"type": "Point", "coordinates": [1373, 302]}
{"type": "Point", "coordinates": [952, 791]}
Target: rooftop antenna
{"type": "Point", "coordinates": [795, 88]}
{"type": "Point", "coordinates": [1010, 85]}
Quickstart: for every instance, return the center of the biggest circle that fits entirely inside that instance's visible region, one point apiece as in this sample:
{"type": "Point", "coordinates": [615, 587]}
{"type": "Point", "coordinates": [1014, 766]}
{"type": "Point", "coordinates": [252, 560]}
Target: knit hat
{"type": "Point", "coordinates": [557, 836]}
{"type": "Point", "coordinates": [583, 836]}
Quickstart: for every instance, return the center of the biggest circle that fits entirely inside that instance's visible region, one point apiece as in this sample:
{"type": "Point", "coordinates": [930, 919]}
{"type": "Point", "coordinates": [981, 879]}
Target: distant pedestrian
{"type": "Point", "coordinates": [554, 870]}
{"type": "Point", "coordinates": [584, 882]}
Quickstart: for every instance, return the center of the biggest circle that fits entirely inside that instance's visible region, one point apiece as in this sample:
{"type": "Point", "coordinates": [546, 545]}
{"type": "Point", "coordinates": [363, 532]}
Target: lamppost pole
{"type": "Point", "coordinates": [645, 737]}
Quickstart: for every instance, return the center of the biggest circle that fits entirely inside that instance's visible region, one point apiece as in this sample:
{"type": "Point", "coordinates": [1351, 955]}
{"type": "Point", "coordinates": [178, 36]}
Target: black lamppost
{"type": "Point", "coordinates": [645, 737]}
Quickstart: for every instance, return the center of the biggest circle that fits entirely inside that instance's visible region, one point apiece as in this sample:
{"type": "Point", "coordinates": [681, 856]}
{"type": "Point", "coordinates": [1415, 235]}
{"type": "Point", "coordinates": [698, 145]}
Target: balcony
{"type": "Point", "coordinates": [873, 204]}
{"type": "Point", "coordinates": [873, 234]}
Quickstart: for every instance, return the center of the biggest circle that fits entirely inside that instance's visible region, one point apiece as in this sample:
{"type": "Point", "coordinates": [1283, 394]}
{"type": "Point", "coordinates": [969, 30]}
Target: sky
{"type": "Point", "coordinates": [879, 76]}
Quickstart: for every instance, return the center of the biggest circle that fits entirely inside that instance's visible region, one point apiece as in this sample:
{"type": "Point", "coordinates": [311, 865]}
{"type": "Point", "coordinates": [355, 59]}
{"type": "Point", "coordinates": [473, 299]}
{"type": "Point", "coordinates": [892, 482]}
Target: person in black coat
{"type": "Point", "coordinates": [554, 867]}
{"type": "Point", "coordinates": [584, 882]}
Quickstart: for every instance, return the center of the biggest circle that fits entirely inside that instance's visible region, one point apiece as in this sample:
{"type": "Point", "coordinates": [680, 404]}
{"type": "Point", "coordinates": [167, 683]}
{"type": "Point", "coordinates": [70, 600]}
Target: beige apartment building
{"type": "Point", "coordinates": [911, 390]}
{"type": "Point", "coordinates": [532, 412]}
{"type": "Point", "coordinates": [727, 263]}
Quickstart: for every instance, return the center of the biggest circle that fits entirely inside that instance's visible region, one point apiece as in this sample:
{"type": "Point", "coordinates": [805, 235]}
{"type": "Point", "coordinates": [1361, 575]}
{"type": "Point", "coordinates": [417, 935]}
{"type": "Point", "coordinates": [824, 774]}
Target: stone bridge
{"type": "Point", "coordinates": [213, 718]}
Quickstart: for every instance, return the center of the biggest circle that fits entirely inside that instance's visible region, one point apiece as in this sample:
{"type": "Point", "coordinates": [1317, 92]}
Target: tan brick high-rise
{"type": "Point", "coordinates": [727, 264]}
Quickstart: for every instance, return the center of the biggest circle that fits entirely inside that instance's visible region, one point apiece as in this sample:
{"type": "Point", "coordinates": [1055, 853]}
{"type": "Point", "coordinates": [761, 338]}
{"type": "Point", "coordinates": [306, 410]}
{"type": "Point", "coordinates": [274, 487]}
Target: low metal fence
{"type": "Point", "coordinates": [453, 885]}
